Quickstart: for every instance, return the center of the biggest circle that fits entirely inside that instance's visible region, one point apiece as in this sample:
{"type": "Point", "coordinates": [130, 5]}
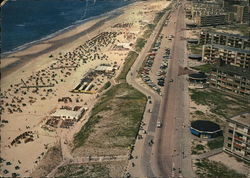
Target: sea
{"type": "Point", "coordinates": [25, 22]}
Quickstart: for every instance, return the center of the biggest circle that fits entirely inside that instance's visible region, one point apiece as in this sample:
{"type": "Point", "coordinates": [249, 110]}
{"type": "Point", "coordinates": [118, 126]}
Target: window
{"type": "Point", "coordinates": [230, 131]}
{"type": "Point", "coordinates": [229, 145]}
{"type": "Point", "coordinates": [229, 138]}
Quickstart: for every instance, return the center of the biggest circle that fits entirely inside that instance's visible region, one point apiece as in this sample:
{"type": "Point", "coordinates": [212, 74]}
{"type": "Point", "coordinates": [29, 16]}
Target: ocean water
{"type": "Point", "coordinates": [26, 21]}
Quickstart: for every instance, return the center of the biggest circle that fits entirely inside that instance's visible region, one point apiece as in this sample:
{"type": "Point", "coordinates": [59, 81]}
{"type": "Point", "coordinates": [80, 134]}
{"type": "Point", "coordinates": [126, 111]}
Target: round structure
{"type": "Point", "coordinates": [199, 77]}
{"type": "Point", "coordinates": [205, 129]}
{"type": "Point", "coordinates": [193, 41]}
{"type": "Point", "coordinates": [197, 57]}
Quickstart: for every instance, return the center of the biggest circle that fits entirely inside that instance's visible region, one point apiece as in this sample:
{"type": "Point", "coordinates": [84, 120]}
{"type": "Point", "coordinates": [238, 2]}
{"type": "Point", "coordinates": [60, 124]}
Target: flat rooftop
{"type": "Point", "coordinates": [243, 119]}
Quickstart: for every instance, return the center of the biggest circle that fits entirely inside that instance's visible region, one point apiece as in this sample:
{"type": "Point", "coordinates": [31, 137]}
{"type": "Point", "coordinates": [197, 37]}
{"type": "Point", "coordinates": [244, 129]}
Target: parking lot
{"type": "Point", "coordinates": [155, 66]}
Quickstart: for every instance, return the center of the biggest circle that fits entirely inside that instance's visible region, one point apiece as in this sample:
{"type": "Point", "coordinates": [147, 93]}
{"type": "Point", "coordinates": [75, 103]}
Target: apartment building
{"type": "Point", "coordinates": [237, 137]}
{"type": "Point", "coordinates": [230, 79]}
{"type": "Point", "coordinates": [229, 55]}
{"type": "Point", "coordinates": [241, 14]}
{"type": "Point", "coordinates": [227, 39]}
{"type": "Point", "coordinates": [212, 19]}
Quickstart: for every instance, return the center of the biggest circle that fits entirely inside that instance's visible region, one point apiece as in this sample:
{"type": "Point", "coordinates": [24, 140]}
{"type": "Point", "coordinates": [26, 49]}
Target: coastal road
{"type": "Point", "coordinates": [172, 156]}
{"type": "Point", "coordinates": [169, 156]}
{"type": "Point", "coordinates": [142, 151]}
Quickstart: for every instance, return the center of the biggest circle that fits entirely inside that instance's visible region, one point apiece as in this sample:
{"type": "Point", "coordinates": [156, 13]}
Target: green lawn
{"type": "Point", "coordinates": [129, 61]}
{"type": "Point", "coordinates": [212, 169]}
{"type": "Point", "coordinates": [206, 68]}
{"type": "Point", "coordinates": [220, 103]}
{"type": "Point", "coordinates": [195, 49]}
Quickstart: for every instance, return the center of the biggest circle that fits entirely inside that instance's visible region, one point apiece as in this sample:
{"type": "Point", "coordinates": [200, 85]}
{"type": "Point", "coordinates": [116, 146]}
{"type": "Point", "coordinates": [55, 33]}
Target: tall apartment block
{"type": "Point", "coordinates": [230, 79]}
{"type": "Point", "coordinates": [212, 19]}
{"type": "Point", "coordinates": [237, 137]}
{"type": "Point", "coordinates": [241, 14]}
{"type": "Point", "coordinates": [232, 56]}
{"type": "Point", "coordinates": [227, 39]}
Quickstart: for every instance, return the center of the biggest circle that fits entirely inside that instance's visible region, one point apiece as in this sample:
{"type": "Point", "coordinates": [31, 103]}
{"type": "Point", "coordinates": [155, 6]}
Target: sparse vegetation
{"type": "Point", "coordinates": [106, 86]}
{"type": "Point", "coordinates": [129, 61]}
{"type": "Point", "coordinates": [206, 169]}
{"type": "Point", "coordinates": [198, 147]}
{"type": "Point", "coordinates": [125, 106]}
{"type": "Point", "coordinates": [220, 103]}
{"type": "Point", "coordinates": [140, 42]}
{"type": "Point", "coordinates": [149, 30]}
{"type": "Point", "coordinates": [90, 170]}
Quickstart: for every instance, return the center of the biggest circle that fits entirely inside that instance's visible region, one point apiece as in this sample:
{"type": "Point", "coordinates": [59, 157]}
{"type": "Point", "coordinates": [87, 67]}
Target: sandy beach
{"type": "Point", "coordinates": [38, 80]}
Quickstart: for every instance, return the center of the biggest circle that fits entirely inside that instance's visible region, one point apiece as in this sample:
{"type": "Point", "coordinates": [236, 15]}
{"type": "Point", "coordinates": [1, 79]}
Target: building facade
{"type": "Point", "coordinates": [231, 56]}
{"type": "Point", "coordinates": [212, 20]}
{"type": "Point", "coordinates": [241, 14]}
{"type": "Point", "coordinates": [231, 79]}
{"type": "Point", "coordinates": [237, 137]}
{"type": "Point", "coordinates": [230, 40]}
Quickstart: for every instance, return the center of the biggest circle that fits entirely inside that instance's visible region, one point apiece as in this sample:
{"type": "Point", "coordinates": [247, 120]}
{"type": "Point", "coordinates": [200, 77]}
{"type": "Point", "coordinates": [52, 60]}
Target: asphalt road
{"type": "Point", "coordinates": [167, 157]}
{"type": "Point", "coordinates": [170, 146]}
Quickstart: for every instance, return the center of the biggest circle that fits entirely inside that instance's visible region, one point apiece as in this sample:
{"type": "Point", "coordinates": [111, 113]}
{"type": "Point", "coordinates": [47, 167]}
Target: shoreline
{"type": "Point", "coordinates": [55, 44]}
{"type": "Point", "coordinates": [59, 32]}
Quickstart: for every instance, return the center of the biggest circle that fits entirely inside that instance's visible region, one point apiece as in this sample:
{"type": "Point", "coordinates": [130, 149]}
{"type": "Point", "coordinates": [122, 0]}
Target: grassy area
{"type": "Point", "coordinates": [129, 61]}
{"type": "Point", "coordinates": [216, 143]}
{"type": "Point", "coordinates": [195, 49]}
{"type": "Point", "coordinates": [105, 86]}
{"type": "Point", "coordinates": [206, 68]}
{"type": "Point", "coordinates": [88, 170]}
{"type": "Point", "coordinates": [140, 42]}
{"type": "Point", "coordinates": [206, 169]}
{"type": "Point", "coordinates": [118, 112]}
{"type": "Point", "coordinates": [149, 30]}
{"type": "Point", "coordinates": [220, 103]}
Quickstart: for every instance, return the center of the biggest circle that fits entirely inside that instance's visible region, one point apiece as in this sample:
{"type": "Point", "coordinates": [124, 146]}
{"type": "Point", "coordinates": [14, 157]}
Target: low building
{"type": "Point", "coordinates": [66, 114]}
{"type": "Point", "coordinates": [104, 69]}
{"type": "Point", "coordinates": [237, 137]}
{"type": "Point", "coordinates": [197, 57]}
{"type": "Point", "coordinates": [227, 39]}
{"type": "Point", "coordinates": [205, 129]}
{"type": "Point", "coordinates": [193, 41]}
{"type": "Point", "coordinates": [231, 79]}
{"type": "Point", "coordinates": [229, 55]}
{"type": "Point", "coordinates": [199, 77]}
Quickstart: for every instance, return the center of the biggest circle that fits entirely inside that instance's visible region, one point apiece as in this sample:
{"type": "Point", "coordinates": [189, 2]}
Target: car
{"type": "Point", "coordinates": [159, 124]}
